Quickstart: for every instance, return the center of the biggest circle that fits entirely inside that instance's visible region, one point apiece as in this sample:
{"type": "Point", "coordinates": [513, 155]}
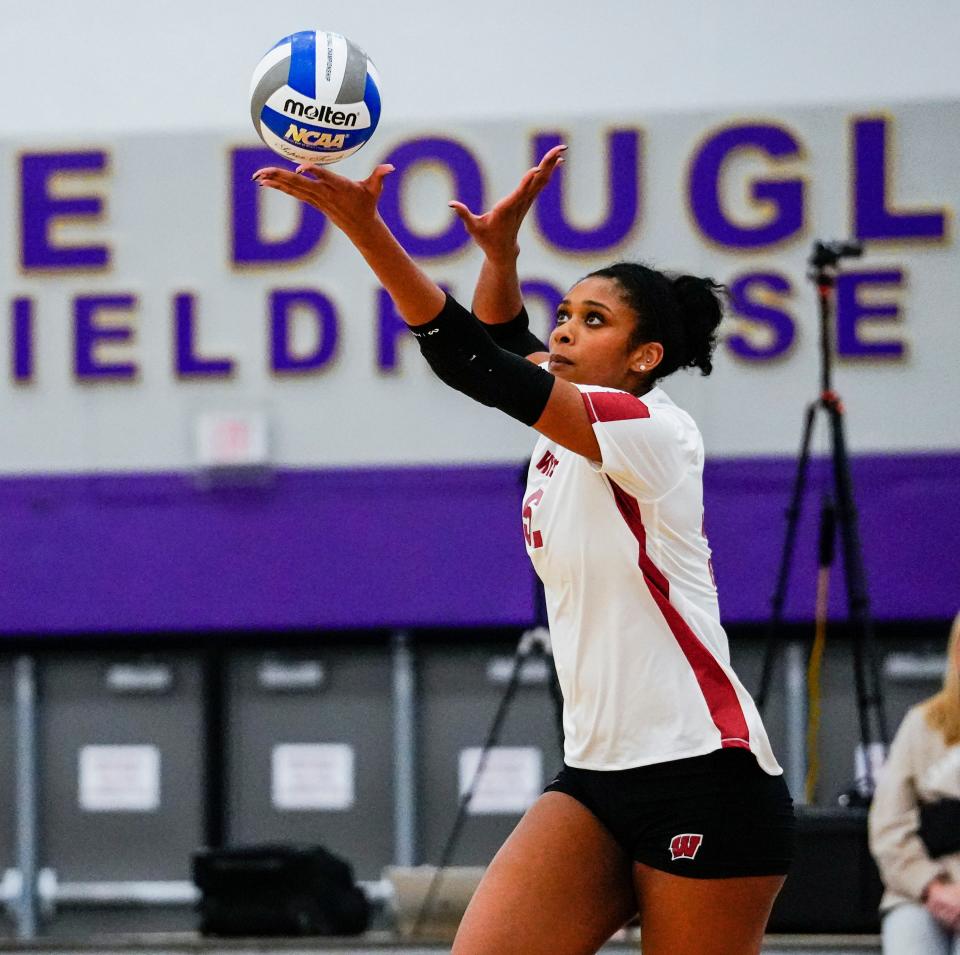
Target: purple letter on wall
{"type": "Point", "coordinates": [22, 321]}
{"type": "Point", "coordinates": [284, 307]}
{"type": "Point", "coordinates": [623, 196]}
{"type": "Point", "coordinates": [549, 295]}
{"type": "Point", "coordinates": [851, 311]}
{"type": "Point", "coordinates": [390, 328]}
{"type": "Point", "coordinates": [873, 217]}
{"type": "Point", "coordinates": [249, 245]}
{"type": "Point", "coordinates": [188, 362]}
{"type": "Point", "coordinates": [753, 297]}
{"type": "Point", "coordinates": [467, 188]}
{"type": "Point", "coordinates": [39, 210]}
{"type": "Point", "coordinates": [785, 195]}
{"type": "Point", "coordinates": [87, 333]}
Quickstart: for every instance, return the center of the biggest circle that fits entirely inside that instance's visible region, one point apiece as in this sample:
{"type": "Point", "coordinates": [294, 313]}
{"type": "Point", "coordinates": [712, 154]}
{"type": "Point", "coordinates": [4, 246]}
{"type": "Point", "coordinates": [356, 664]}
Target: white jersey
{"type": "Point", "coordinates": [641, 655]}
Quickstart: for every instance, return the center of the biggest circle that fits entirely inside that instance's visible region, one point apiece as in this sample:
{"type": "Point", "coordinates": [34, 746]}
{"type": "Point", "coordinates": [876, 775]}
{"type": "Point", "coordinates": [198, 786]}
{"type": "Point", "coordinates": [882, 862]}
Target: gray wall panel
{"type": "Point", "coordinates": [7, 783]}
{"type": "Point", "coordinates": [353, 706]}
{"type": "Point", "coordinates": [76, 709]}
{"type": "Point", "coordinates": [839, 727]}
{"type": "Point", "coordinates": [457, 706]}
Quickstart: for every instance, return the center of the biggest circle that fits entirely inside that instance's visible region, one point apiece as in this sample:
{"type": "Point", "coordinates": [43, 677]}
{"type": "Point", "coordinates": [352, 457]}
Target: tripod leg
{"type": "Point", "coordinates": [868, 698]}
{"type": "Point", "coordinates": [783, 577]}
{"type": "Point", "coordinates": [827, 534]}
{"type": "Point", "coordinates": [492, 736]}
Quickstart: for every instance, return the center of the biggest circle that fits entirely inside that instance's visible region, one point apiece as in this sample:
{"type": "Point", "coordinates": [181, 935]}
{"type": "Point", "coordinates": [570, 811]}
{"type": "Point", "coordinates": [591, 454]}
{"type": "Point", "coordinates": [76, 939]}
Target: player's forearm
{"type": "Point", "coordinates": [417, 297]}
{"type": "Point", "coordinates": [497, 298]}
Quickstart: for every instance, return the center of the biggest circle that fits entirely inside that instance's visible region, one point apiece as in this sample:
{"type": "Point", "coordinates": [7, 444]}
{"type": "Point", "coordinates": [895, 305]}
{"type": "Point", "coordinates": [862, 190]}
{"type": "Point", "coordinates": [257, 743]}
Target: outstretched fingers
{"type": "Point", "coordinates": [374, 182]}
{"type": "Point", "coordinates": [552, 156]}
{"type": "Point", "coordinates": [285, 181]}
{"type": "Point", "coordinates": [468, 218]}
{"type": "Point", "coordinates": [541, 174]}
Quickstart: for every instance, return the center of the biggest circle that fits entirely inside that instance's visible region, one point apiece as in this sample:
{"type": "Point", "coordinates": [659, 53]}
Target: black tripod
{"type": "Point", "coordinates": [533, 644]}
{"type": "Point", "coordinates": [823, 262]}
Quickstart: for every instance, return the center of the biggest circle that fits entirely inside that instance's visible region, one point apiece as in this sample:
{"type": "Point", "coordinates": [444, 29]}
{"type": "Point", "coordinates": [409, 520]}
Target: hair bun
{"type": "Point", "coordinates": [701, 310]}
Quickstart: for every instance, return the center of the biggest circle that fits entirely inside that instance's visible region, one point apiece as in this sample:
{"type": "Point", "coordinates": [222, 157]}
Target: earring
{"type": "Point", "coordinates": [643, 367]}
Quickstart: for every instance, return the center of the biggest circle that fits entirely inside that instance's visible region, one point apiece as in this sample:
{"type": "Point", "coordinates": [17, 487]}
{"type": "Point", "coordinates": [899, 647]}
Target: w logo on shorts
{"type": "Point", "coordinates": [685, 845]}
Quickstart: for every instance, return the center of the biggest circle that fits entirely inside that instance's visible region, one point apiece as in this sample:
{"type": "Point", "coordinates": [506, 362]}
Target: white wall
{"type": "Point", "coordinates": [84, 66]}
{"type": "Point", "coordinates": [493, 72]}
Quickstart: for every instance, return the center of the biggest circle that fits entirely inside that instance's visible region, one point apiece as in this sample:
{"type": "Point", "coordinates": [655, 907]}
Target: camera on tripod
{"type": "Point", "coordinates": [827, 254]}
{"type": "Point", "coordinates": [838, 514]}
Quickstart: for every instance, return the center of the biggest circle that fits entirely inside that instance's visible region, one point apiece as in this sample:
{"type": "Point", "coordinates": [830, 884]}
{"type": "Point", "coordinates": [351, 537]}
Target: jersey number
{"type": "Point", "coordinates": [534, 538]}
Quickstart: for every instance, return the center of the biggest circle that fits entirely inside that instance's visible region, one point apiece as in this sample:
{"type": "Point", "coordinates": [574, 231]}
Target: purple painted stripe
{"type": "Point", "coordinates": [417, 547]}
{"type": "Point", "coordinates": [909, 518]}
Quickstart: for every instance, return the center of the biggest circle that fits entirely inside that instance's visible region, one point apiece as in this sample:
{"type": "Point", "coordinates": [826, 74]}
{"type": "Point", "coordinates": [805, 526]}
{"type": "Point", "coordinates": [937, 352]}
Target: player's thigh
{"type": "Point", "coordinates": [560, 885]}
{"type": "Point", "coordinates": [703, 916]}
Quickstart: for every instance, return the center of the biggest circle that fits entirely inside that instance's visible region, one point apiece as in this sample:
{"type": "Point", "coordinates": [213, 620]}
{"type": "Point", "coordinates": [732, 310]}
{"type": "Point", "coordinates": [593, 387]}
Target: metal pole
{"type": "Point", "coordinates": [404, 752]}
{"type": "Point", "coordinates": [796, 719]}
{"type": "Point", "coordinates": [25, 695]}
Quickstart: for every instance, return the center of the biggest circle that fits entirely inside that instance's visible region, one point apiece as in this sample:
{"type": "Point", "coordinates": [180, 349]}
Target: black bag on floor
{"type": "Point", "coordinates": [278, 890]}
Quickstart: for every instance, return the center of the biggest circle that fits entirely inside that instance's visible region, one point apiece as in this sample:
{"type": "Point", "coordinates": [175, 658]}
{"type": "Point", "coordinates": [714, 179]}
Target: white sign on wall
{"type": "Point", "coordinates": [511, 780]}
{"type": "Point", "coordinates": [312, 776]}
{"type": "Point", "coordinates": [119, 778]}
{"type": "Point", "coordinates": [231, 440]}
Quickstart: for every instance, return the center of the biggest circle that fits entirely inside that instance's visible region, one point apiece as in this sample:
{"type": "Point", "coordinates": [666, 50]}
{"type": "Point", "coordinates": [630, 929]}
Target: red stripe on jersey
{"type": "Point", "coordinates": [613, 406]}
{"type": "Point", "coordinates": [717, 689]}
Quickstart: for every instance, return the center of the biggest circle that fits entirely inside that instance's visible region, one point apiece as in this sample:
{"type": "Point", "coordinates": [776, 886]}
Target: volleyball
{"type": "Point", "coordinates": [315, 97]}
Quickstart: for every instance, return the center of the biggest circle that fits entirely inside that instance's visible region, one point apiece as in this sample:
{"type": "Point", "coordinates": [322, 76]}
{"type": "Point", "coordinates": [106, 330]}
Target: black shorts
{"type": "Point", "coordinates": [717, 816]}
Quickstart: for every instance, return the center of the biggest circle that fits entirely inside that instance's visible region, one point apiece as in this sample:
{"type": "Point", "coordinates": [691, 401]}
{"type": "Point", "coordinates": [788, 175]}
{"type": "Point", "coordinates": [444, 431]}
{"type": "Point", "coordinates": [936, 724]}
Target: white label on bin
{"type": "Point", "coordinates": [312, 776]}
{"type": "Point", "coordinates": [119, 778]}
{"type": "Point", "coordinates": [511, 780]}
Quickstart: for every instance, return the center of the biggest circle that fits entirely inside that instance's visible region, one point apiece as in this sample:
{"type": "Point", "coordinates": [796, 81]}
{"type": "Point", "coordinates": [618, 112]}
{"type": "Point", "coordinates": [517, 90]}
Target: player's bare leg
{"type": "Point", "coordinates": [703, 916]}
{"type": "Point", "coordinates": [559, 885]}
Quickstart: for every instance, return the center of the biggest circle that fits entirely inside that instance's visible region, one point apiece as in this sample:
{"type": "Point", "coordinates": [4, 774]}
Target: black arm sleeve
{"type": "Point", "coordinates": [515, 336]}
{"type": "Point", "coordinates": [462, 354]}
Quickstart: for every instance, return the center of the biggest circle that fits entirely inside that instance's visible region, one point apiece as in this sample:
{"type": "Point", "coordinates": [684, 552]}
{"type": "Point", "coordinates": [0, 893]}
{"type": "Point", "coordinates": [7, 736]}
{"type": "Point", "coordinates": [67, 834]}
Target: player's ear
{"type": "Point", "coordinates": [646, 357]}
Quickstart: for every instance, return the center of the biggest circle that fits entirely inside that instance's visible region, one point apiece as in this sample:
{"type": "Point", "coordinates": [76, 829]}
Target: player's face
{"type": "Point", "coordinates": [591, 343]}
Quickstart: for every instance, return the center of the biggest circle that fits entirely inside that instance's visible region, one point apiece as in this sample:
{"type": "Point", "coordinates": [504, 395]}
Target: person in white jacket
{"type": "Point", "coordinates": [920, 868]}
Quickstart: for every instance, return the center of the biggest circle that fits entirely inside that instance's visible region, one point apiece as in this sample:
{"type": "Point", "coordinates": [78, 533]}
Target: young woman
{"type": "Point", "coordinates": [920, 862]}
{"type": "Point", "coordinates": [670, 802]}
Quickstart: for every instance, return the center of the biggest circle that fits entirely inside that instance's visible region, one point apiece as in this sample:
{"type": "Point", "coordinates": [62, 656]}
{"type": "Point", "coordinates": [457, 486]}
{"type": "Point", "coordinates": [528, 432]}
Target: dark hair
{"type": "Point", "coordinates": [681, 312]}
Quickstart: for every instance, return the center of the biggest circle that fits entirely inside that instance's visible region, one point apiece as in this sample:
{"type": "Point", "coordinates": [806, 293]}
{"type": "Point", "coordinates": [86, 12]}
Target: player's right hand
{"type": "Point", "coordinates": [350, 205]}
{"type": "Point", "coordinates": [496, 231]}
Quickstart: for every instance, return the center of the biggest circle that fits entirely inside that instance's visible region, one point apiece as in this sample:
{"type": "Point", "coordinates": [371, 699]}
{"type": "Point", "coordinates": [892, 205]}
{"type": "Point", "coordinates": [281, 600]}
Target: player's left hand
{"type": "Point", "coordinates": [348, 204]}
{"type": "Point", "coordinates": [496, 231]}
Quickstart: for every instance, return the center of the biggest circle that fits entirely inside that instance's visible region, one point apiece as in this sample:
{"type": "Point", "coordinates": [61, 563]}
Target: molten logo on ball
{"type": "Point", "coordinates": [323, 114]}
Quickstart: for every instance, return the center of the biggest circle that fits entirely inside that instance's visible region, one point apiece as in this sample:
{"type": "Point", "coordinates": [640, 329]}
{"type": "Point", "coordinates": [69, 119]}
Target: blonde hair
{"type": "Point", "coordinates": [943, 709]}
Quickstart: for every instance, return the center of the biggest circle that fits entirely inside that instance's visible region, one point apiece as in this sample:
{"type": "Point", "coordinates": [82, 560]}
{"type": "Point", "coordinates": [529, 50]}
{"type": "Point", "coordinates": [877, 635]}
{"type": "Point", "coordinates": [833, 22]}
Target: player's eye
{"type": "Point", "coordinates": [562, 316]}
{"type": "Point", "coordinates": [594, 318]}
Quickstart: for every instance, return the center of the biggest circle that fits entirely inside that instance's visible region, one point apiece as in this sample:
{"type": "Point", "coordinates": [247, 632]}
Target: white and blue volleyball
{"type": "Point", "coordinates": [315, 97]}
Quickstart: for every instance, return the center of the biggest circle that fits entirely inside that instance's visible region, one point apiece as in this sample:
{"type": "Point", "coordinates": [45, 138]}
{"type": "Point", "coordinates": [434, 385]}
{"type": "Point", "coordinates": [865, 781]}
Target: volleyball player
{"type": "Point", "coordinates": [670, 802]}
